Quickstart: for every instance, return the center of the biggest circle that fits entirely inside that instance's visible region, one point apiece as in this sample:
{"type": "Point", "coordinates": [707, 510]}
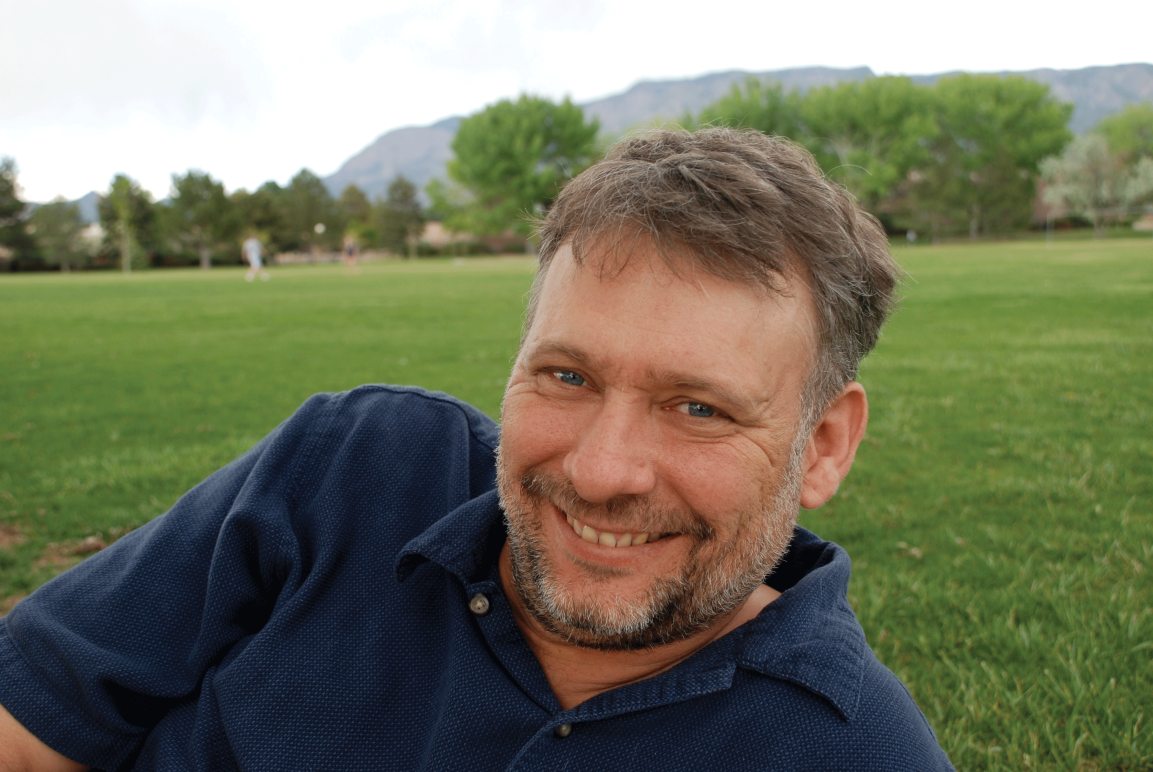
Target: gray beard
{"type": "Point", "coordinates": [716, 578]}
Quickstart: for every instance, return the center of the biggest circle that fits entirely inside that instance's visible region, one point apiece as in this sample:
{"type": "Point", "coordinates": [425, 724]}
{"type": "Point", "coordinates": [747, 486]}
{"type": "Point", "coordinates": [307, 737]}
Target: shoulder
{"type": "Point", "coordinates": [381, 448]}
{"type": "Point", "coordinates": [880, 730]}
{"type": "Point", "coordinates": [810, 685]}
{"type": "Point", "coordinates": [396, 410]}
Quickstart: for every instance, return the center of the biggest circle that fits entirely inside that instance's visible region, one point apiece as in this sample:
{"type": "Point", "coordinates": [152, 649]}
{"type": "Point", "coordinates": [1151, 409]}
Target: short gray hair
{"type": "Point", "coordinates": [745, 207]}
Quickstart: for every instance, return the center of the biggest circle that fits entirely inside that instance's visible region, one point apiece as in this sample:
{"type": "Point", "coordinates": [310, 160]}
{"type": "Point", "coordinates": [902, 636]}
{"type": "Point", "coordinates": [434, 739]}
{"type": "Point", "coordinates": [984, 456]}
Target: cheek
{"type": "Point", "coordinates": [535, 431]}
{"type": "Point", "coordinates": [722, 482]}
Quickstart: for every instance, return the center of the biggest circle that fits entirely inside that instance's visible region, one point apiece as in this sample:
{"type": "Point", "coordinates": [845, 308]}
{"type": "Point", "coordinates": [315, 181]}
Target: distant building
{"type": "Point", "coordinates": [438, 237]}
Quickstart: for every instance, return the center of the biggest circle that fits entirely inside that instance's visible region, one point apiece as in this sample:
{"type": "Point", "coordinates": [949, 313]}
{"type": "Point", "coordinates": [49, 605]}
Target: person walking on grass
{"type": "Point", "coordinates": [252, 254]}
{"type": "Point", "coordinates": [351, 253]}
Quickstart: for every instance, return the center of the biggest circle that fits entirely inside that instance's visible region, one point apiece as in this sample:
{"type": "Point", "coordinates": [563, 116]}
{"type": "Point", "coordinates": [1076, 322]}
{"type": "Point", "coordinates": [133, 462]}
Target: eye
{"type": "Point", "coordinates": [569, 377]}
{"type": "Point", "coordinates": [697, 410]}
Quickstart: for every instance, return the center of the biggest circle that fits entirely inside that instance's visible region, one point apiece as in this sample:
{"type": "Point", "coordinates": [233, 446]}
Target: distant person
{"type": "Point", "coordinates": [252, 253]}
{"type": "Point", "coordinates": [611, 579]}
{"type": "Point", "coordinates": [351, 253]}
{"type": "Point", "coordinates": [911, 236]}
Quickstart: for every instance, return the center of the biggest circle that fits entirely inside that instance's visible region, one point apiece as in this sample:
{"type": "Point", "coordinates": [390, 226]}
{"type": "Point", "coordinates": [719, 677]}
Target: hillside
{"type": "Point", "coordinates": [671, 99]}
{"type": "Point", "coordinates": [1094, 91]}
{"type": "Point", "coordinates": [420, 153]}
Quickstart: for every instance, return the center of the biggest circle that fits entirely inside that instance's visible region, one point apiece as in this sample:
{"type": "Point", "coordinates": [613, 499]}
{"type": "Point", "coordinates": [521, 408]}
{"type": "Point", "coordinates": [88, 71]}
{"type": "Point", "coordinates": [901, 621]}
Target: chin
{"type": "Point", "coordinates": [604, 607]}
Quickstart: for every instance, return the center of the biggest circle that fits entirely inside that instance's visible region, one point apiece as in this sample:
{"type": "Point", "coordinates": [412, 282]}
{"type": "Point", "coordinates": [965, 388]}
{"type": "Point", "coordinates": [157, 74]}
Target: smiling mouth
{"type": "Point", "coordinates": [609, 538]}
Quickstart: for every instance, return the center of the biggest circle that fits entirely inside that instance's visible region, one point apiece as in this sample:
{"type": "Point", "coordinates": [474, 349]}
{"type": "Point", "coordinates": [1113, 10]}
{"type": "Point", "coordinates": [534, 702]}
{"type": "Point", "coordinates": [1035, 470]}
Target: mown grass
{"type": "Point", "coordinates": [999, 514]}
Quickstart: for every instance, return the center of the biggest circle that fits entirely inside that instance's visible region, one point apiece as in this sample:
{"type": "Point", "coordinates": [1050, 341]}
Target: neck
{"type": "Point", "coordinates": [577, 674]}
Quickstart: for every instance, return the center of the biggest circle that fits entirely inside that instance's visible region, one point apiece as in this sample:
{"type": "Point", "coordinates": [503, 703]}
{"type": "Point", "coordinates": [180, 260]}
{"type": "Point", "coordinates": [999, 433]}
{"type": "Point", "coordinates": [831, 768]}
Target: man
{"type": "Point", "coordinates": [252, 253]}
{"type": "Point", "coordinates": [622, 586]}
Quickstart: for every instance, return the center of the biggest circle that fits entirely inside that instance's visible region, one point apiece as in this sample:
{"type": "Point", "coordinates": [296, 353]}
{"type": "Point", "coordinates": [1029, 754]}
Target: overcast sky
{"type": "Point", "coordinates": [253, 90]}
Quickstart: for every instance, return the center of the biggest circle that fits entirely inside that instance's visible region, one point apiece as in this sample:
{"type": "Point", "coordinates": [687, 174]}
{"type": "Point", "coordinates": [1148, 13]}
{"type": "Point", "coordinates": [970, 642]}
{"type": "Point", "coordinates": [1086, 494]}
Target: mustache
{"type": "Point", "coordinates": [638, 512]}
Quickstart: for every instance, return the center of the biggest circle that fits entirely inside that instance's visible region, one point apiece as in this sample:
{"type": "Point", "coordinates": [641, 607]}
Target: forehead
{"type": "Point", "coordinates": [646, 315]}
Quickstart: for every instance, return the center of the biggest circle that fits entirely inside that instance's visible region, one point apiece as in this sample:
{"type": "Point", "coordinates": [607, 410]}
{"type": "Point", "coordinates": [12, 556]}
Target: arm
{"type": "Point", "coordinates": [21, 751]}
{"type": "Point", "coordinates": [92, 661]}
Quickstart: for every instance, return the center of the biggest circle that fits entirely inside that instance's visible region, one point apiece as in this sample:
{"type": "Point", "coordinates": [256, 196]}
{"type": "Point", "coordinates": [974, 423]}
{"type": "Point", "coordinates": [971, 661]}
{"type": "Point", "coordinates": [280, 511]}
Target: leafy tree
{"type": "Point", "coordinates": [126, 213]}
{"type": "Point", "coordinates": [356, 210]}
{"type": "Point", "coordinates": [1139, 187]}
{"type": "Point", "coordinates": [1129, 132]}
{"type": "Point", "coordinates": [354, 205]}
{"type": "Point", "coordinates": [399, 218]}
{"type": "Point", "coordinates": [869, 135]}
{"type": "Point", "coordinates": [763, 105]}
{"type": "Point", "coordinates": [513, 158]}
{"type": "Point", "coordinates": [58, 230]}
{"type": "Point", "coordinates": [991, 135]}
{"type": "Point", "coordinates": [1090, 180]}
{"type": "Point", "coordinates": [262, 214]}
{"type": "Point", "coordinates": [14, 237]}
{"type": "Point", "coordinates": [203, 217]}
{"type": "Point", "coordinates": [310, 214]}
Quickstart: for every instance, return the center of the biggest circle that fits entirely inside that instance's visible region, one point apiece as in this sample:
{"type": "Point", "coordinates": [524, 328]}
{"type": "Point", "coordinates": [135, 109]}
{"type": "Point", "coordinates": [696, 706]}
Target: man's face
{"type": "Point", "coordinates": [650, 464]}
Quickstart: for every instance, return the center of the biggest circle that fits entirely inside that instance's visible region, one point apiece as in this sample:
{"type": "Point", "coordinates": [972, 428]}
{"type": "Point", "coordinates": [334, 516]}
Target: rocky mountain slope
{"type": "Point", "coordinates": [419, 153]}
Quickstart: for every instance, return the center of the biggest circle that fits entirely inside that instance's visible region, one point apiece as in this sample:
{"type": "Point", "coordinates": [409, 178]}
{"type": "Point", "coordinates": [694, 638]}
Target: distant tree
{"type": "Point", "coordinates": [126, 213]}
{"type": "Point", "coordinates": [1139, 187]}
{"type": "Point", "coordinates": [991, 134]}
{"type": "Point", "coordinates": [14, 237]}
{"type": "Point", "coordinates": [356, 210]}
{"type": "Point", "coordinates": [763, 105]}
{"type": "Point", "coordinates": [1129, 132]}
{"type": "Point", "coordinates": [514, 157]}
{"type": "Point", "coordinates": [310, 213]}
{"type": "Point", "coordinates": [399, 219]}
{"type": "Point", "coordinates": [869, 135]}
{"type": "Point", "coordinates": [262, 213]}
{"type": "Point", "coordinates": [58, 230]}
{"type": "Point", "coordinates": [203, 217]}
{"type": "Point", "coordinates": [1090, 180]}
{"type": "Point", "coordinates": [354, 205]}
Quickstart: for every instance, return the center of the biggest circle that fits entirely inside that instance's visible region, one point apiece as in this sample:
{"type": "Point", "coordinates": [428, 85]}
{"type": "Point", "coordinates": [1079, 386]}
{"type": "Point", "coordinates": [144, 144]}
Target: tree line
{"type": "Point", "coordinates": [200, 224]}
{"type": "Point", "coordinates": [963, 156]}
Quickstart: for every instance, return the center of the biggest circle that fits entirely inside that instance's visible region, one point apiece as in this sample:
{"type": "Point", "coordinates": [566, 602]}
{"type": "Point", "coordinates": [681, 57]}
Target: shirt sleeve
{"type": "Point", "coordinates": [91, 661]}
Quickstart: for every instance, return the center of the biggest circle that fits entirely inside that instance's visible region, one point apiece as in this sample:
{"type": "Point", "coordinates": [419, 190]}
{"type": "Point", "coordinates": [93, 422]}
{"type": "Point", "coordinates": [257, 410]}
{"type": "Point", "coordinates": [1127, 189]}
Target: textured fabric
{"type": "Point", "coordinates": [307, 607]}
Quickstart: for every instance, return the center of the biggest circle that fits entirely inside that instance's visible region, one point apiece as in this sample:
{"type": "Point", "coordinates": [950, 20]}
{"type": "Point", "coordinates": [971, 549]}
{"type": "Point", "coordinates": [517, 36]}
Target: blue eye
{"type": "Point", "coordinates": [569, 377]}
{"type": "Point", "coordinates": [697, 410]}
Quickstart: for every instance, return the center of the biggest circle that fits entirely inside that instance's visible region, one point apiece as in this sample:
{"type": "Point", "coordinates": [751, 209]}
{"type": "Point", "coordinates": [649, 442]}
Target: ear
{"type": "Point", "coordinates": [833, 445]}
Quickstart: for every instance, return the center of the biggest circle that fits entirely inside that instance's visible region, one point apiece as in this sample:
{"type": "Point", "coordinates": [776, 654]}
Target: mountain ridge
{"type": "Point", "coordinates": [1095, 92]}
{"type": "Point", "coordinates": [421, 152]}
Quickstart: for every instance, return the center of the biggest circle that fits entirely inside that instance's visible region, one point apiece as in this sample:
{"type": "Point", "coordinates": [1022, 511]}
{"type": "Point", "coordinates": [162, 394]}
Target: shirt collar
{"type": "Point", "coordinates": [459, 542]}
{"type": "Point", "coordinates": [808, 636]}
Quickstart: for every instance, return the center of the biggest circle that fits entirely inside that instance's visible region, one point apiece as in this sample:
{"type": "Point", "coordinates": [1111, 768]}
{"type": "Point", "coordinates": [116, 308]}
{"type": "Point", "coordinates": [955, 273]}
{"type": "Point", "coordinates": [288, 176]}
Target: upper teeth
{"type": "Point", "coordinates": [590, 534]}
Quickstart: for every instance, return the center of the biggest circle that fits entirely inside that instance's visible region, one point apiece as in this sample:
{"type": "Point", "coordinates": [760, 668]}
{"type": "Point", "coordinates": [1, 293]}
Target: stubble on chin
{"type": "Point", "coordinates": [714, 579]}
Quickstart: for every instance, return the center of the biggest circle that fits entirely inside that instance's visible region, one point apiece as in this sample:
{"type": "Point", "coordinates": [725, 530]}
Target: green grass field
{"type": "Point", "coordinates": [1000, 515]}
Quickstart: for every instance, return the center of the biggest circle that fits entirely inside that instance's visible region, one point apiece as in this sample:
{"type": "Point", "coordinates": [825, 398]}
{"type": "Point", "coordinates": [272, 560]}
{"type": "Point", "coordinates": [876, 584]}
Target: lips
{"type": "Point", "coordinates": [611, 538]}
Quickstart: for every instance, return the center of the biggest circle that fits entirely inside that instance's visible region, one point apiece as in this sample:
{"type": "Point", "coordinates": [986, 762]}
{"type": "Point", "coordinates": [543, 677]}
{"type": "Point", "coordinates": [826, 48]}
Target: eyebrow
{"type": "Point", "coordinates": [660, 378]}
{"type": "Point", "coordinates": [553, 347]}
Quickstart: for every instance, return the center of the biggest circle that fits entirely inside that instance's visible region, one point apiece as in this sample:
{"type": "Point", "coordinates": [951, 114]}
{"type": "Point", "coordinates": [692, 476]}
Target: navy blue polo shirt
{"type": "Point", "coordinates": [308, 607]}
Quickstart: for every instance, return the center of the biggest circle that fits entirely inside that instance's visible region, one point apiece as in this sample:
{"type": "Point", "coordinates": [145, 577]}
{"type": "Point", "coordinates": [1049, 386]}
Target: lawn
{"type": "Point", "coordinates": [1000, 515]}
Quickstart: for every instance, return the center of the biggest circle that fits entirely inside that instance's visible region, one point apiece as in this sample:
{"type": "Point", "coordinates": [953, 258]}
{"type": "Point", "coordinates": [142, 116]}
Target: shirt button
{"type": "Point", "coordinates": [562, 731]}
{"type": "Point", "coordinates": [478, 604]}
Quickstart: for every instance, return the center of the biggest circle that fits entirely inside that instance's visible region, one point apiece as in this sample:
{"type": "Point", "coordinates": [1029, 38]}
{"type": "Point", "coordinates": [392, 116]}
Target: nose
{"type": "Point", "coordinates": [614, 454]}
